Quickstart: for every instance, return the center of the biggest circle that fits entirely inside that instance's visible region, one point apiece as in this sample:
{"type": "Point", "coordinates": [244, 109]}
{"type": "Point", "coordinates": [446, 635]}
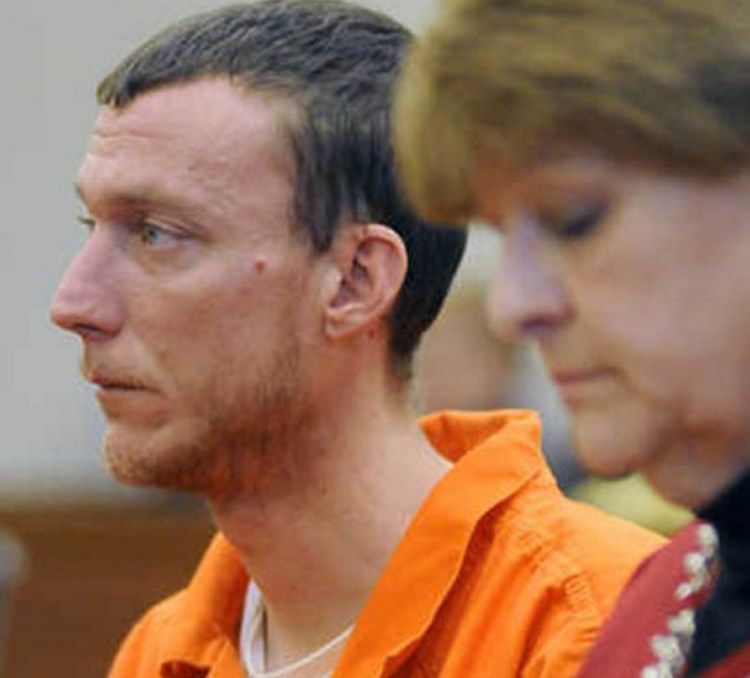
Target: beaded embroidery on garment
{"type": "Point", "coordinates": [672, 648]}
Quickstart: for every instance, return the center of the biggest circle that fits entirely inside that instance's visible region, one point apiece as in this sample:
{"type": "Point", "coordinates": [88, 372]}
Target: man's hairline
{"type": "Point", "coordinates": [289, 116]}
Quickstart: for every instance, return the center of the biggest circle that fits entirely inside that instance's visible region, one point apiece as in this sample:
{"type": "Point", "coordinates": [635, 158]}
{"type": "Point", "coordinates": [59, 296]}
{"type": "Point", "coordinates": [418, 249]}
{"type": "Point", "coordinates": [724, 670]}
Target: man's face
{"type": "Point", "coordinates": [191, 295]}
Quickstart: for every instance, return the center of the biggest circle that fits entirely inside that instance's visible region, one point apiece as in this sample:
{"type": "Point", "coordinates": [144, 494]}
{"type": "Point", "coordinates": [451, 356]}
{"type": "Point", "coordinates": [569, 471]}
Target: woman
{"type": "Point", "coordinates": [609, 142]}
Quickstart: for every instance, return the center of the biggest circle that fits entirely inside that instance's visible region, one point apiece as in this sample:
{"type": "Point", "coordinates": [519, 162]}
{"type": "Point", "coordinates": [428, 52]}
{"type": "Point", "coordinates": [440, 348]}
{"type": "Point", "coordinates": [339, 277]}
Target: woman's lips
{"type": "Point", "coordinates": [575, 384]}
{"type": "Point", "coordinates": [566, 377]}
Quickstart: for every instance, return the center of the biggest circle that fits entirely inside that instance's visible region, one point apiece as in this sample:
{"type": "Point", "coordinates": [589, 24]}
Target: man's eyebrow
{"type": "Point", "coordinates": [138, 197]}
{"type": "Point", "coordinates": [139, 200]}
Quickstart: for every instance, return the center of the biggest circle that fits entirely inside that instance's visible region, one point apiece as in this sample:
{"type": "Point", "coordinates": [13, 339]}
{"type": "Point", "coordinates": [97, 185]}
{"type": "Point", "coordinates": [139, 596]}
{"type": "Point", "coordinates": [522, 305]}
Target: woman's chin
{"type": "Point", "coordinates": [607, 449]}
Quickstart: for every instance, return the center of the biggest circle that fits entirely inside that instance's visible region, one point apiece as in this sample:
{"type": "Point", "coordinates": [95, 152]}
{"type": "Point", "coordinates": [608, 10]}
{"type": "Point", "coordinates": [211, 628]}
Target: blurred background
{"type": "Point", "coordinates": [81, 557]}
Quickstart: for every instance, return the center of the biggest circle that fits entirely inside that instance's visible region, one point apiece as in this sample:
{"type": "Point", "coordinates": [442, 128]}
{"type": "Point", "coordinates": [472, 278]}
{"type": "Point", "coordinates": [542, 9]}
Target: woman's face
{"type": "Point", "coordinates": [636, 287]}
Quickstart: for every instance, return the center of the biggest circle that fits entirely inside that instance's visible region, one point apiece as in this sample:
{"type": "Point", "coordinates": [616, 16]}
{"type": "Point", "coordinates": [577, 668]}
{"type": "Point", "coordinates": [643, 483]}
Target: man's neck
{"type": "Point", "coordinates": [317, 547]}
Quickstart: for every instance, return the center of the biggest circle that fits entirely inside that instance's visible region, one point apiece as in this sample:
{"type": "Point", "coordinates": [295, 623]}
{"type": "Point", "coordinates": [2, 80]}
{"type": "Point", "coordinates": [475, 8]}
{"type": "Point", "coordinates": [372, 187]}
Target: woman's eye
{"type": "Point", "coordinates": [578, 222]}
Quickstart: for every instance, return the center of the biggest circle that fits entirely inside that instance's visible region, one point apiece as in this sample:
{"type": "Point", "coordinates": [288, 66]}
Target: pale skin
{"type": "Point", "coordinates": [635, 286]}
{"type": "Point", "coordinates": [232, 361]}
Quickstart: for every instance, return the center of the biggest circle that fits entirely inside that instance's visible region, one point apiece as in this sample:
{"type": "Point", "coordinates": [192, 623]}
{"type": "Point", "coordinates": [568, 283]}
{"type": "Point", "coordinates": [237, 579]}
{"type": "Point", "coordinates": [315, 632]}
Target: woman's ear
{"type": "Point", "coordinates": [371, 261]}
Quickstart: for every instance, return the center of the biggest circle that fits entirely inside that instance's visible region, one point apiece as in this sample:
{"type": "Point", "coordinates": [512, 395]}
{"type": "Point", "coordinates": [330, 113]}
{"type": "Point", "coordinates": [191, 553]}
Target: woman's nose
{"type": "Point", "coordinates": [527, 298]}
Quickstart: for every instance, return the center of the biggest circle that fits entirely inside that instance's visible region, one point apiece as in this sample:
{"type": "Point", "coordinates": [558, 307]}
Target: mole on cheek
{"type": "Point", "coordinates": [259, 265]}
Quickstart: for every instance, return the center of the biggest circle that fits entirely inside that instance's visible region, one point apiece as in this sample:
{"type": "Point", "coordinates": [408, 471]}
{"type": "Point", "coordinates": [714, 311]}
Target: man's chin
{"type": "Point", "coordinates": [155, 461]}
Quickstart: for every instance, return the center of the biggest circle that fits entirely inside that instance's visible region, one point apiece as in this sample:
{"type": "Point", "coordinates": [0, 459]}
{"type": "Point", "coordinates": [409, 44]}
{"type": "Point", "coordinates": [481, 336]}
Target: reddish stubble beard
{"type": "Point", "coordinates": [237, 443]}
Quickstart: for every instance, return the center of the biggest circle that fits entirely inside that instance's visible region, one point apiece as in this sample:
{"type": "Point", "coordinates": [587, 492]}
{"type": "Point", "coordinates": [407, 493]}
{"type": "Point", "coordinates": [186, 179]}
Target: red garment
{"type": "Point", "coordinates": [624, 646]}
{"type": "Point", "coordinates": [498, 575]}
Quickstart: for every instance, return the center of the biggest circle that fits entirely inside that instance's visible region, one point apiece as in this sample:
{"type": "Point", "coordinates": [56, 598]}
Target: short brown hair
{"type": "Point", "coordinates": [336, 63]}
{"type": "Point", "coordinates": [663, 83]}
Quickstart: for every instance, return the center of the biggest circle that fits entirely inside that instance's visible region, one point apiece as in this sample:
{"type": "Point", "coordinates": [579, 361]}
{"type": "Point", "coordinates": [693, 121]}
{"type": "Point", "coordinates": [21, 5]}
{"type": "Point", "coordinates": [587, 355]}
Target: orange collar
{"type": "Point", "coordinates": [495, 454]}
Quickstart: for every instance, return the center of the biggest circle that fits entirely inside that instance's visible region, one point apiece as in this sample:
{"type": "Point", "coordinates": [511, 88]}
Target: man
{"type": "Point", "coordinates": [249, 300]}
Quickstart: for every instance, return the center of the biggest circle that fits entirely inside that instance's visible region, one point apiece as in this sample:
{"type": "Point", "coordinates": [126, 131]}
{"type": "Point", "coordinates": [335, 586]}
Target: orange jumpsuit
{"type": "Point", "coordinates": [498, 575]}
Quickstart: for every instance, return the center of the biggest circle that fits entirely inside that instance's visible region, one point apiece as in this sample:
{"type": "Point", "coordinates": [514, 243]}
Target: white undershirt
{"type": "Point", "coordinates": [318, 664]}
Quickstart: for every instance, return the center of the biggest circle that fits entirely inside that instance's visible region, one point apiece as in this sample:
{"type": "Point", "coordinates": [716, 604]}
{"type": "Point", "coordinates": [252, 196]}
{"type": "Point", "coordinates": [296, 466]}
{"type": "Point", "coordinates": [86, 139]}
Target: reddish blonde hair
{"type": "Point", "coordinates": [663, 83]}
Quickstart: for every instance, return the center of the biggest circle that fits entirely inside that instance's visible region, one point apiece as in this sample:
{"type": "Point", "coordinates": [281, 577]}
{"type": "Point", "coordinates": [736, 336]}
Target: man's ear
{"type": "Point", "coordinates": [371, 263]}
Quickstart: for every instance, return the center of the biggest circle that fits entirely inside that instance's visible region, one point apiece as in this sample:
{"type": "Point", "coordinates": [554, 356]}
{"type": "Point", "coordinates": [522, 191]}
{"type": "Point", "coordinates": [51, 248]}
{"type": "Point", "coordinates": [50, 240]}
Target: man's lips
{"type": "Point", "coordinates": [119, 392]}
{"type": "Point", "coordinates": [115, 393]}
{"type": "Point", "coordinates": [110, 382]}
{"type": "Point", "coordinates": [117, 387]}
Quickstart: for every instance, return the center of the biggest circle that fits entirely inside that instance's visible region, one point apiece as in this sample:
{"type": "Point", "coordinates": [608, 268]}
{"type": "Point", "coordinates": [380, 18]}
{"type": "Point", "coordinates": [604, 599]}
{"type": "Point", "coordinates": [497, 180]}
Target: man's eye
{"type": "Point", "coordinates": [151, 235]}
{"type": "Point", "coordinates": [87, 221]}
{"type": "Point", "coordinates": [578, 222]}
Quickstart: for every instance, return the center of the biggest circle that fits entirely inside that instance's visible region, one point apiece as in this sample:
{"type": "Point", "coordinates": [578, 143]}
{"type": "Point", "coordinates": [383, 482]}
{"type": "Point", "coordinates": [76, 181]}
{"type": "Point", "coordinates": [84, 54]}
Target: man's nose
{"type": "Point", "coordinates": [88, 300]}
{"type": "Point", "coordinates": [527, 298]}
